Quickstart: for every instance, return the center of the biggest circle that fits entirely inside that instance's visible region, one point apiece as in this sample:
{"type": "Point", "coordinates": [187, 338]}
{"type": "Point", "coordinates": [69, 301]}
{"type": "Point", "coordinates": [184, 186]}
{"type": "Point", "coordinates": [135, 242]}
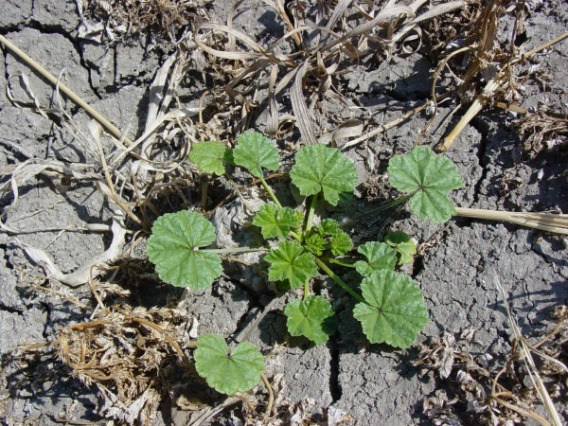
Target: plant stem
{"type": "Point", "coordinates": [306, 289]}
{"type": "Point", "coordinates": [340, 263]}
{"type": "Point", "coordinates": [270, 192]}
{"type": "Point", "coordinates": [382, 207]}
{"type": "Point", "coordinates": [339, 281]}
{"type": "Point", "coordinates": [393, 203]}
{"type": "Point", "coordinates": [232, 250]}
{"type": "Point", "coordinates": [296, 236]}
{"type": "Point", "coordinates": [204, 186]}
{"type": "Point", "coordinates": [311, 210]}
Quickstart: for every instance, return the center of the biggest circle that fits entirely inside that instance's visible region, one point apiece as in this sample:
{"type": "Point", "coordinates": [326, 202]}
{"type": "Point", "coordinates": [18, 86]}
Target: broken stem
{"type": "Point", "coordinates": [473, 110]}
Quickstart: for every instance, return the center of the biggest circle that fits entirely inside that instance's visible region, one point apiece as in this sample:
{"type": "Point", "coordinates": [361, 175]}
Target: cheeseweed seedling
{"type": "Point", "coordinates": [390, 306]}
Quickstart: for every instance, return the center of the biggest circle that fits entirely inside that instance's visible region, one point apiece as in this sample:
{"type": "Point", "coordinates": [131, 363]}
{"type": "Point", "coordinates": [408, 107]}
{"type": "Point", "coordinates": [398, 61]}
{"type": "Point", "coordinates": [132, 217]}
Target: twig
{"type": "Point", "coordinates": [386, 127]}
{"type": "Point", "coordinates": [270, 403]}
{"type": "Point", "coordinates": [546, 45]}
{"type": "Point", "coordinates": [529, 362]}
{"type": "Point", "coordinates": [490, 88]}
{"type": "Point", "coordinates": [111, 128]}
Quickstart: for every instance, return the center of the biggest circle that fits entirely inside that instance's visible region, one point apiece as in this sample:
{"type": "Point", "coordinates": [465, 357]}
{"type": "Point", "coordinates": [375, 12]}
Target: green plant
{"type": "Point", "coordinates": [390, 307]}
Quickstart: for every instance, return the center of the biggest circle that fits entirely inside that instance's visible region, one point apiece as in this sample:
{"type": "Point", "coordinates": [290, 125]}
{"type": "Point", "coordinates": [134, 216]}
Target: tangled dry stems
{"type": "Point", "coordinates": [489, 390]}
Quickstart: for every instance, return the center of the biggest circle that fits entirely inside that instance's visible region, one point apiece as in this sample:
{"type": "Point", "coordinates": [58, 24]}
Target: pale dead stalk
{"type": "Point", "coordinates": [111, 128]}
{"type": "Point", "coordinates": [490, 88]}
{"type": "Point", "coordinates": [555, 223]}
{"type": "Point", "coordinates": [531, 367]}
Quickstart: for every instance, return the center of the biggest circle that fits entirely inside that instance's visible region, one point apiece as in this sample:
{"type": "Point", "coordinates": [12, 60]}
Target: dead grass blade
{"type": "Point", "coordinates": [257, 50]}
{"type": "Point", "coordinates": [555, 223]}
{"type": "Point", "coordinates": [309, 68]}
{"type": "Point", "coordinates": [300, 108]}
{"type": "Point", "coordinates": [385, 14]}
{"type": "Point", "coordinates": [385, 127]}
{"type": "Point", "coordinates": [63, 88]}
{"type": "Point", "coordinates": [534, 375]}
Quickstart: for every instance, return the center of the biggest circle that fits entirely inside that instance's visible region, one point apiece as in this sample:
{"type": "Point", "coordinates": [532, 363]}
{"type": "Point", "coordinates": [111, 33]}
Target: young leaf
{"type": "Point", "coordinates": [309, 318]}
{"type": "Point", "coordinates": [378, 255]}
{"type": "Point", "coordinates": [174, 245]}
{"type": "Point", "coordinates": [225, 371]}
{"type": "Point", "coordinates": [275, 222]}
{"type": "Point", "coordinates": [340, 243]}
{"type": "Point", "coordinates": [431, 177]}
{"type": "Point", "coordinates": [395, 311]}
{"type": "Point", "coordinates": [329, 227]}
{"type": "Point", "coordinates": [319, 168]}
{"type": "Point", "coordinates": [254, 152]}
{"type": "Point", "coordinates": [289, 261]}
{"type": "Point", "coordinates": [209, 157]}
{"type": "Point", "coordinates": [315, 243]}
{"type": "Point", "coordinates": [403, 245]}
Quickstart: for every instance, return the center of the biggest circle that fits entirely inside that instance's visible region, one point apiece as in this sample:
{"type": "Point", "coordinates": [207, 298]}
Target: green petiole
{"type": "Point", "coordinates": [270, 191]}
{"type": "Point", "coordinates": [339, 281]}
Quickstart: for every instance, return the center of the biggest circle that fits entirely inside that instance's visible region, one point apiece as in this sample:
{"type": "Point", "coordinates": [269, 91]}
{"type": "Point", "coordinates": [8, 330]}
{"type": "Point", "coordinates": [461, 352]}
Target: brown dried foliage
{"type": "Point", "coordinates": [128, 355]}
{"type": "Point", "coordinates": [480, 389]}
{"type": "Point", "coordinates": [322, 41]}
{"type": "Point", "coordinates": [160, 16]}
{"type": "Point", "coordinates": [488, 68]}
{"type": "Point", "coordinates": [542, 131]}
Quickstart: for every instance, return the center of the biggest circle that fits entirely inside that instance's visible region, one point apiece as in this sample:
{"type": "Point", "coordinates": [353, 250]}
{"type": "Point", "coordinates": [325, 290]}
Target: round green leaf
{"type": "Point", "coordinates": [309, 318]}
{"type": "Point", "coordinates": [174, 245]}
{"type": "Point", "coordinates": [289, 261]}
{"type": "Point", "coordinates": [403, 245]}
{"type": "Point", "coordinates": [432, 205]}
{"type": "Point", "coordinates": [209, 157]}
{"type": "Point", "coordinates": [254, 152]}
{"type": "Point", "coordinates": [395, 311]}
{"type": "Point", "coordinates": [228, 372]}
{"type": "Point", "coordinates": [378, 255]}
{"type": "Point", "coordinates": [276, 221]}
{"type": "Point", "coordinates": [430, 177]}
{"type": "Point", "coordinates": [319, 168]}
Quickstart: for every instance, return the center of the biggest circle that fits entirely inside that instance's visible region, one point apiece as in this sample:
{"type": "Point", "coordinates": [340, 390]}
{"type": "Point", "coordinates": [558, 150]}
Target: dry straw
{"type": "Point", "coordinates": [555, 223]}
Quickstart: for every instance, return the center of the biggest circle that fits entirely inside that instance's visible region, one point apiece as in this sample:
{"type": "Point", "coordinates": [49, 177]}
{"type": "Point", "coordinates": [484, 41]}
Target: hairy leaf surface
{"type": "Point", "coordinates": [309, 318]}
{"type": "Point", "coordinates": [209, 157]}
{"type": "Point", "coordinates": [378, 255]}
{"type": "Point", "coordinates": [319, 168]}
{"type": "Point", "coordinates": [174, 246]}
{"type": "Point", "coordinates": [289, 261]}
{"type": "Point", "coordinates": [430, 177]}
{"type": "Point", "coordinates": [276, 222]}
{"type": "Point", "coordinates": [254, 151]}
{"type": "Point", "coordinates": [403, 245]}
{"type": "Point", "coordinates": [395, 311]}
{"type": "Point", "coordinates": [225, 371]}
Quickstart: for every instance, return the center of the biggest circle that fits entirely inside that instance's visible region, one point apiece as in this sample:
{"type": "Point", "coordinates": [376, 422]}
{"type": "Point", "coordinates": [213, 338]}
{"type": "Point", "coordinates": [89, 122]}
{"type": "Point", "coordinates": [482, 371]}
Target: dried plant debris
{"type": "Point", "coordinates": [493, 391]}
{"type": "Point", "coordinates": [303, 69]}
{"type": "Point", "coordinates": [542, 131]}
{"type": "Point", "coordinates": [482, 60]}
{"type": "Point", "coordinates": [130, 355]}
{"type": "Point", "coordinates": [109, 19]}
